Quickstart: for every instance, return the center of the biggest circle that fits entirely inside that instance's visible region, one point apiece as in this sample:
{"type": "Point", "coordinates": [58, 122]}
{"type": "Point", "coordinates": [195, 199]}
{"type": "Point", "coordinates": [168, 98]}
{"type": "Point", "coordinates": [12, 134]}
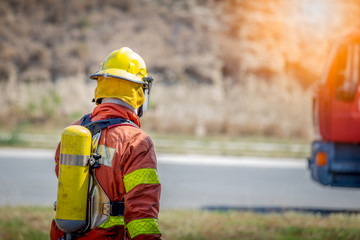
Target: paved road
{"type": "Point", "coordinates": [27, 178]}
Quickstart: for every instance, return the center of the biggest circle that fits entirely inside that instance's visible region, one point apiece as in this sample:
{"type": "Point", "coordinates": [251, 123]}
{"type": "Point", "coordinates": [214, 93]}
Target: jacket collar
{"type": "Point", "coordinates": [113, 110]}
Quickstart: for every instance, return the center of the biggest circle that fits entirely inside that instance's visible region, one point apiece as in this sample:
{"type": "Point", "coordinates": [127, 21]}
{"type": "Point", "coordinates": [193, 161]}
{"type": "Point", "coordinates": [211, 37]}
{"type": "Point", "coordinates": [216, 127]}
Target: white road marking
{"type": "Point", "coordinates": [210, 160]}
{"type": "Point", "coordinates": [259, 162]}
{"type": "Point", "coordinates": [26, 152]}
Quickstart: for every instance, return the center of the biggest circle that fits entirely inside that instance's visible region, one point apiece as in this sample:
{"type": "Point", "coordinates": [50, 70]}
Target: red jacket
{"type": "Point", "coordinates": [128, 173]}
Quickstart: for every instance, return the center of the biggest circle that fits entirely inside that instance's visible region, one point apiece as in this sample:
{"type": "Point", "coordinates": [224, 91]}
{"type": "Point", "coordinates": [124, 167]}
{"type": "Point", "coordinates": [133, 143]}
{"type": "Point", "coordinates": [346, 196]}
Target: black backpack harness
{"type": "Point", "coordinates": [99, 125]}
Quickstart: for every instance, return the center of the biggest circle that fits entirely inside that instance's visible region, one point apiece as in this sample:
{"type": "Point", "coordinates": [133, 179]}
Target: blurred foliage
{"type": "Point", "coordinates": [12, 139]}
{"type": "Point", "coordinates": [194, 40]}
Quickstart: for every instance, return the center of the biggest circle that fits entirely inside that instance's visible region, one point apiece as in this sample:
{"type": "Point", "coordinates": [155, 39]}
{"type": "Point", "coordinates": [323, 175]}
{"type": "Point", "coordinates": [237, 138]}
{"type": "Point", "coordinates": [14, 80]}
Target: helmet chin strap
{"type": "Point", "coordinates": [140, 111]}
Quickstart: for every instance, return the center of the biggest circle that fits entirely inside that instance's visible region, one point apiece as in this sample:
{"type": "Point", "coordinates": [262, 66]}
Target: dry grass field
{"type": "Point", "coordinates": [221, 67]}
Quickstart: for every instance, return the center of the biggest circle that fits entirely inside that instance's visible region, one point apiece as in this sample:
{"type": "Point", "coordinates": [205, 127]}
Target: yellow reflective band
{"type": "Point", "coordinates": [140, 176]}
{"type": "Point", "coordinates": [113, 221]}
{"type": "Point", "coordinates": [143, 226]}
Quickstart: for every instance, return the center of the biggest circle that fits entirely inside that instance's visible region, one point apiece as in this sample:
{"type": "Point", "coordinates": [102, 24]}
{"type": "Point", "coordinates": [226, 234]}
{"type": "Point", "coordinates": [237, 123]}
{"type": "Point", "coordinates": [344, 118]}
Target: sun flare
{"type": "Point", "coordinates": [315, 11]}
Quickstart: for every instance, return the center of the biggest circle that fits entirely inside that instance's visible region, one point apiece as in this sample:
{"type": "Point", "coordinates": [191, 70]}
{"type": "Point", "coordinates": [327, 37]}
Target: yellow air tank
{"type": "Point", "coordinates": [75, 150]}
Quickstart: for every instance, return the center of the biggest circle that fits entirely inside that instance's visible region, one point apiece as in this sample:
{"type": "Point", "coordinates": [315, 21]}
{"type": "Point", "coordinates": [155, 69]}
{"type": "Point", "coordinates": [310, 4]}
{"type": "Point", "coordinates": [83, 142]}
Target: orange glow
{"type": "Point", "coordinates": [321, 159]}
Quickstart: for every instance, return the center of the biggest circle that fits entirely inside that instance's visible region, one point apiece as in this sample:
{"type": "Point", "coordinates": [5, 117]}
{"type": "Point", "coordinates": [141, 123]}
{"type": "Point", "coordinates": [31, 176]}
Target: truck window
{"type": "Point", "coordinates": [348, 66]}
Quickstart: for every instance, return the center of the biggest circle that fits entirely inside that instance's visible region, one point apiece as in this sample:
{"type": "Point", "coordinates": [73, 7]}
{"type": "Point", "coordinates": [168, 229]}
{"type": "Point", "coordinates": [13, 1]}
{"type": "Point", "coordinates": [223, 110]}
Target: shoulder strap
{"type": "Point", "coordinates": [85, 120]}
{"type": "Point", "coordinates": [97, 126]}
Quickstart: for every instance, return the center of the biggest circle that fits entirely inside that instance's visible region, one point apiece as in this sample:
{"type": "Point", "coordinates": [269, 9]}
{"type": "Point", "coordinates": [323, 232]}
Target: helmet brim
{"type": "Point", "coordinates": [117, 73]}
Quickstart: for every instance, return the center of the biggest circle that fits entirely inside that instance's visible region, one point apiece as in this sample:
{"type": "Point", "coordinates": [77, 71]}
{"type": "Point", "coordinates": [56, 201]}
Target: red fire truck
{"type": "Point", "coordinates": [335, 154]}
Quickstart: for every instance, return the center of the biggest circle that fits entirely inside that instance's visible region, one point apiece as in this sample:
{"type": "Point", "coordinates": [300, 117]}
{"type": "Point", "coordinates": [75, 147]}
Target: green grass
{"type": "Point", "coordinates": [34, 223]}
{"type": "Point", "coordinates": [30, 223]}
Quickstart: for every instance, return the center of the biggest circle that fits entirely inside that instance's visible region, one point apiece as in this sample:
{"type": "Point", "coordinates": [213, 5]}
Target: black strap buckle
{"type": "Point", "coordinates": [94, 160]}
{"type": "Point", "coordinates": [117, 208]}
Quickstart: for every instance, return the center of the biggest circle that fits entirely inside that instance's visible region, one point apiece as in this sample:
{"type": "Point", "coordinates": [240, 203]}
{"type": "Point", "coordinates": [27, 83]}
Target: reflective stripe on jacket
{"type": "Point", "coordinates": [128, 171]}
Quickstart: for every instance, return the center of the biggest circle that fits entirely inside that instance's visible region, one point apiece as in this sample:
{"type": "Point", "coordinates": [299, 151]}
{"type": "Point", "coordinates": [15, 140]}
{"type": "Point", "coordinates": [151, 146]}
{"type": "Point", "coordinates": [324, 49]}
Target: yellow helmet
{"type": "Point", "coordinates": [124, 64]}
{"type": "Point", "coordinates": [123, 75]}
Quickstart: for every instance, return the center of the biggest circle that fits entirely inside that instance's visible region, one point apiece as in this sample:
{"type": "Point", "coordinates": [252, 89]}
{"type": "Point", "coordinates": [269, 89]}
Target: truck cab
{"type": "Point", "coordinates": [335, 153]}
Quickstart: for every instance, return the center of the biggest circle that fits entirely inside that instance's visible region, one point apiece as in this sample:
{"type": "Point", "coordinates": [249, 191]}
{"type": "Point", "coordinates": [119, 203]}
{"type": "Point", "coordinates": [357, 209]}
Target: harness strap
{"type": "Point", "coordinates": [117, 208]}
{"type": "Point", "coordinates": [97, 126]}
{"type": "Point", "coordinates": [85, 119]}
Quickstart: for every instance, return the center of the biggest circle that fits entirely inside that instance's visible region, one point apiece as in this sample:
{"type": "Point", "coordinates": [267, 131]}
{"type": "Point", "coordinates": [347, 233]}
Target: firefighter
{"type": "Point", "coordinates": [126, 172]}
